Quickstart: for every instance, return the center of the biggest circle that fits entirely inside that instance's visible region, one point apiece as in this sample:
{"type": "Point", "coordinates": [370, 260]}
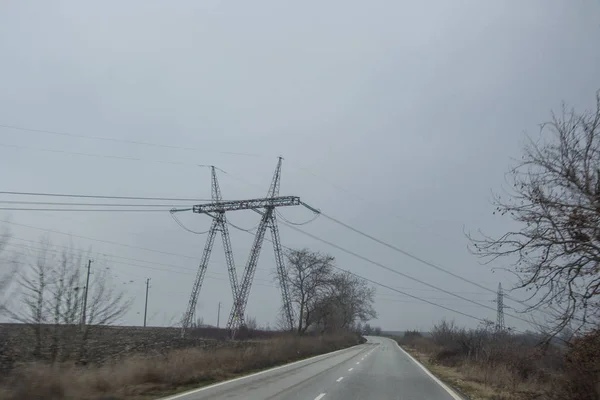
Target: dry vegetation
{"type": "Point", "coordinates": [147, 374]}
{"type": "Point", "coordinates": [486, 364]}
{"type": "Point", "coordinates": [65, 344]}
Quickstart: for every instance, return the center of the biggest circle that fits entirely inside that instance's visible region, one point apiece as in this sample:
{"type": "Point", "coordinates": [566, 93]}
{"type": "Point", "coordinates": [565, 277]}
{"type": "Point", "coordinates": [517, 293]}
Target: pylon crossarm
{"type": "Point", "coordinates": [233, 205]}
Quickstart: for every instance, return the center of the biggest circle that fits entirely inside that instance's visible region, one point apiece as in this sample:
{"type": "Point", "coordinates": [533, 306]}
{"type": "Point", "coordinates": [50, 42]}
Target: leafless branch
{"type": "Point", "coordinates": [555, 197]}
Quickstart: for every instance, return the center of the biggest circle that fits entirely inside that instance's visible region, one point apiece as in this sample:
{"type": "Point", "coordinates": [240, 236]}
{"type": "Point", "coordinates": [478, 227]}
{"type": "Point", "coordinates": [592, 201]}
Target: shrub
{"type": "Point", "coordinates": [582, 371]}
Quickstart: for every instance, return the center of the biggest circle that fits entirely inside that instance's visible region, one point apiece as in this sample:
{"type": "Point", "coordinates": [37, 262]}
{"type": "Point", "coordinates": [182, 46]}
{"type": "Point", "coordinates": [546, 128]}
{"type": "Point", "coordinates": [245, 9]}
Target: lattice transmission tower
{"type": "Point", "coordinates": [266, 208]}
{"type": "Point", "coordinates": [219, 223]}
{"type": "Point", "coordinates": [500, 309]}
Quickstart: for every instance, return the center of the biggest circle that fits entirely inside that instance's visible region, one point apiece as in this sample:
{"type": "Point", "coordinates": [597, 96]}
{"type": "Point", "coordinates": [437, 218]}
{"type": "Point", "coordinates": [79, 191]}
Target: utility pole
{"type": "Point", "coordinates": [85, 296]}
{"type": "Point", "coordinates": [146, 305]}
{"type": "Point", "coordinates": [218, 314]}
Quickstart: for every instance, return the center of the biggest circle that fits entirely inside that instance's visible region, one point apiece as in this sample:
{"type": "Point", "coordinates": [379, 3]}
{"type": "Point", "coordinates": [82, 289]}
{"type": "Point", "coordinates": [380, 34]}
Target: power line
{"type": "Point", "coordinates": [76, 209]}
{"type": "Point", "coordinates": [171, 270]}
{"type": "Point", "coordinates": [298, 223]}
{"type": "Point", "coordinates": [396, 271]}
{"type": "Point", "coordinates": [369, 202]}
{"type": "Point", "coordinates": [358, 276]}
{"type": "Point", "coordinates": [299, 167]}
{"type": "Point", "coordinates": [110, 156]}
{"type": "Point", "coordinates": [182, 225]}
{"type": "Point", "coordinates": [99, 240]}
{"type": "Point", "coordinates": [127, 141]}
{"type": "Point", "coordinates": [104, 196]}
{"type": "Point", "coordinates": [184, 268]}
{"type": "Point", "coordinates": [416, 258]}
{"type": "Point", "coordinates": [127, 273]}
{"type": "Point", "coordinates": [381, 284]}
{"type": "Point", "coordinates": [101, 253]}
{"type": "Point", "coordinates": [50, 203]}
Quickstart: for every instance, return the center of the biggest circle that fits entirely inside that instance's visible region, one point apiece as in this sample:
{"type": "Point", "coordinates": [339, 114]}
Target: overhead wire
{"type": "Point", "coordinates": [316, 215]}
{"type": "Point", "coordinates": [172, 213]}
{"type": "Point", "coordinates": [110, 156]}
{"type": "Point", "coordinates": [242, 229]}
{"type": "Point", "coordinates": [50, 203]}
{"type": "Point", "coordinates": [70, 248]}
{"type": "Point", "coordinates": [102, 196]}
{"type": "Point", "coordinates": [333, 245]}
{"type": "Point", "coordinates": [406, 253]}
{"type": "Point", "coordinates": [127, 141]}
{"type": "Point", "coordinates": [79, 209]}
{"type": "Point", "coordinates": [416, 258]}
{"type": "Point", "coordinates": [394, 289]}
{"type": "Point", "coordinates": [98, 240]}
{"type": "Point", "coordinates": [178, 270]}
{"type": "Point", "coordinates": [398, 272]}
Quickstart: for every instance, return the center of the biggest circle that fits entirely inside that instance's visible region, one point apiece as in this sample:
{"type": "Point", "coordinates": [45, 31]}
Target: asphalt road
{"type": "Point", "coordinates": [378, 369]}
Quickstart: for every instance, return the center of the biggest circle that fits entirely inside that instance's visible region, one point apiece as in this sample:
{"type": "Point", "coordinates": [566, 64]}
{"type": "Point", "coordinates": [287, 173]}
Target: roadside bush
{"type": "Point", "coordinates": [582, 371]}
{"type": "Point", "coordinates": [506, 361]}
{"type": "Point", "coordinates": [411, 334]}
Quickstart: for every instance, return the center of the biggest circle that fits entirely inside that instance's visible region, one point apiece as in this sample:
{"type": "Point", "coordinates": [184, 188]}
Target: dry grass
{"type": "Point", "coordinates": [479, 383]}
{"type": "Point", "coordinates": [486, 365]}
{"type": "Point", "coordinates": [141, 376]}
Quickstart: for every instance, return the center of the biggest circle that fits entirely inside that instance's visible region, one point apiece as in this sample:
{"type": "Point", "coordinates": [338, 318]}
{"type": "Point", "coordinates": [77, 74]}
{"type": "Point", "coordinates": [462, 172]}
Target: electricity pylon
{"type": "Point", "coordinates": [500, 309]}
{"type": "Point", "coordinates": [268, 220]}
{"type": "Point", "coordinates": [264, 206]}
{"type": "Point", "coordinates": [219, 223]}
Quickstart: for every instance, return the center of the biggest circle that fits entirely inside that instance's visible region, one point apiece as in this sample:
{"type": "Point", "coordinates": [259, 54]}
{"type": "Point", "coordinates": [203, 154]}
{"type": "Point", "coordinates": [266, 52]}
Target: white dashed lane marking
{"type": "Point", "coordinates": [319, 397]}
{"type": "Point", "coordinates": [339, 379]}
{"type": "Point", "coordinates": [350, 369]}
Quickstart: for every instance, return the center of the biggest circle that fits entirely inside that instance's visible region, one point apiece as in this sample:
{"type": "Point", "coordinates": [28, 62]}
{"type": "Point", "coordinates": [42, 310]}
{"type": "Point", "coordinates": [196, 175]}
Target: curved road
{"type": "Point", "coordinates": [378, 369]}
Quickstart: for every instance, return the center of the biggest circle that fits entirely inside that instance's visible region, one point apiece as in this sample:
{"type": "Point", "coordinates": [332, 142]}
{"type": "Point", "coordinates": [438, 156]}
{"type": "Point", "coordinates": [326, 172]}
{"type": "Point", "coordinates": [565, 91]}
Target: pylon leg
{"type": "Point", "coordinates": [282, 273]}
{"type": "Point", "coordinates": [191, 308]}
{"type": "Point", "coordinates": [236, 317]}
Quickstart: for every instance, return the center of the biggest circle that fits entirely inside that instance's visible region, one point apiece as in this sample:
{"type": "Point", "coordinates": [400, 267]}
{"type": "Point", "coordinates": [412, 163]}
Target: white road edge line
{"type": "Point", "coordinates": [339, 379]}
{"type": "Point", "coordinates": [189, 392]}
{"type": "Point", "coordinates": [432, 376]}
{"type": "Point", "coordinates": [319, 397]}
{"type": "Point", "coordinates": [350, 370]}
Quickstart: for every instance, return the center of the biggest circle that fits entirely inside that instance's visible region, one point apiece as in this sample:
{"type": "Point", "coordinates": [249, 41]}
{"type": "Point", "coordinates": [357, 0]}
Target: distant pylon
{"type": "Point", "coordinates": [500, 309]}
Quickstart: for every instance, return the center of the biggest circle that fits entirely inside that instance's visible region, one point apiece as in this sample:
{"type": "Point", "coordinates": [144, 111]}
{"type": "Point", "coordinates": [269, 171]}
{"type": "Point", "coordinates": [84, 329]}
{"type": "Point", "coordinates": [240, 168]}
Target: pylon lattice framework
{"type": "Point", "coordinates": [216, 210]}
{"type": "Point", "coordinates": [500, 309]}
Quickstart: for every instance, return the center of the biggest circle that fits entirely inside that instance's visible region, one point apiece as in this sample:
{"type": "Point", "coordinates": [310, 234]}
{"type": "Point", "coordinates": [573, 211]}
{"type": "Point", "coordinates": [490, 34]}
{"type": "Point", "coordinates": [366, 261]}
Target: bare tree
{"type": "Point", "coordinates": [555, 199]}
{"type": "Point", "coordinates": [323, 298]}
{"type": "Point", "coordinates": [349, 299]}
{"type": "Point", "coordinates": [310, 274]}
{"type": "Point", "coordinates": [7, 275]}
{"type": "Point", "coordinates": [7, 271]}
{"type": "Point", "coordinates": [251, 323]}
{"type": "Point", "coordinates": [34, 283]}
{"type": "Point", "coordinates": [52, 293]}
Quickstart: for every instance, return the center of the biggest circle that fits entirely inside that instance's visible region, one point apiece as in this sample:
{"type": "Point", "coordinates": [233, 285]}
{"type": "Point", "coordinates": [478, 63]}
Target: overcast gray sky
{"type": "Point", "coordinates": [397, 117]}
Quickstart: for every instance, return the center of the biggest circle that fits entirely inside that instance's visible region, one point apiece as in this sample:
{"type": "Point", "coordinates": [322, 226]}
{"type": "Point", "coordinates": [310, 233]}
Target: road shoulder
{"type": "Point", "coordinates": [441, 375]}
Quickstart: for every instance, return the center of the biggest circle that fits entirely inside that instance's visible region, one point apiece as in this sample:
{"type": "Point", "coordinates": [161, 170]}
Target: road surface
{"type": "Point", "coordinates": [378, 369]}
